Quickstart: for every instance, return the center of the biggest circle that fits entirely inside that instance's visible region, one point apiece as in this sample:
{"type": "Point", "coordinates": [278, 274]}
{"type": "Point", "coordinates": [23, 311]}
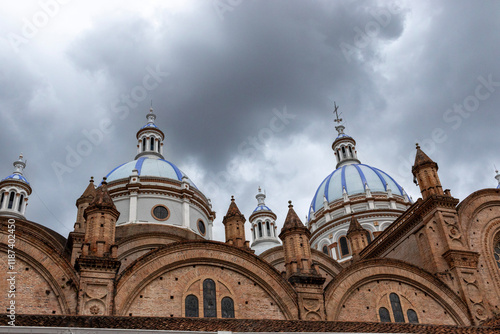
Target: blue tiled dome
{"type": "Point", "coordinates": [353, 178]}
{"type": "Point", "coordinates": [262, 208]}
{"type": "Point", "coordinates": [17, 177]}
{"type": "Point", "coordinates": [148, 167]}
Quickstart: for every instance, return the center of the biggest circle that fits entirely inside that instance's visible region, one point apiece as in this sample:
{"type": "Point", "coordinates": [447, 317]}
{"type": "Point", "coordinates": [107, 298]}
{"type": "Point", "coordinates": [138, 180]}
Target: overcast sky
{"type": "Point", "coordinates": [244, 91]}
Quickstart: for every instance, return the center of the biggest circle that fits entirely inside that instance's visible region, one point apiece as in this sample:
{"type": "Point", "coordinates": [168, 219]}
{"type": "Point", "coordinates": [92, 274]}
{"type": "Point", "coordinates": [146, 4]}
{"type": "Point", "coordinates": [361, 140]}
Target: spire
{"type": "Point", "coordinates": [355, 226]}
{"type": "Point", "coordinates": [421, 158]}
{"type": "Point", "coordinates": [425, 175]}
{"type": "Point", "coordinates": [292, 220]}
{"type": "Point", "coordinates": [102, 199]}
{"type": "Point", "coordinates": [233, 210]}
{"type": "Point", "coordinates": [344, 146]}
{"type": "Point", "coordinates": [234, 223]}
{"type": "Point", "coordinates": [89, 193]}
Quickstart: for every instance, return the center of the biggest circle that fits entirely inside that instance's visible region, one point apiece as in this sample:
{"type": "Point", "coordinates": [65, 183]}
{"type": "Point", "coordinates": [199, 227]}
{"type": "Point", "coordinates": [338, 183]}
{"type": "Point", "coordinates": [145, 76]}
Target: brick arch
{"type": "Point", "coordinates": [479, 216]}
{"type": "Point", "coordinates": [205, 253]}
{"type": "Point", "coordinates": [395, 273]}
{"type": "Point", "coordinates": [42, 250]}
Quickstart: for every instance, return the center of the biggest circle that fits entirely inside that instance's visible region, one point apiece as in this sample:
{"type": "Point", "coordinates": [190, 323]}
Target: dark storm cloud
{"type": "Point", "coordinates": [226, 76]}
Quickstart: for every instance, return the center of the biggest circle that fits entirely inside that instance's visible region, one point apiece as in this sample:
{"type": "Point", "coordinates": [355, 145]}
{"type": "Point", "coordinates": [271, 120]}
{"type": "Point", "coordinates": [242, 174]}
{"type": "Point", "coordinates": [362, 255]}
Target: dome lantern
{"type": "Point", "coordinates": [150, 139]}
{"type": "Point", "coordinates": [344, 146]}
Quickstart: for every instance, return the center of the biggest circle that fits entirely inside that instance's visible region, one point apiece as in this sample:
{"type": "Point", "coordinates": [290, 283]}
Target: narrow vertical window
{"type": "Point", "coordinates": [325, 249]}
{"type": "Point", "coordinates": [368, 237]}
{"type": "Point", "coordinates": [11, 200]}
{"type": "Point", "coordinates": [1, 200]}
{"type": "Point", "coordinates": [253, 231]}
{"type": "Point", "coordinates": [209, 300]}
{"type": "Point", "coordinates": [344, 248]}
{"type": "Point", "coordinates": [396, 308]}
{"type": "Point", "coordinates": [20, 203]}
{"type": "Point", "coordinates": [143, 144]}
{"type": "Point", "coordinates": [191, 307]}
{"type": "Point", "coordinates": [268, 229]}
{"type": "Point", "coordinates": [227, 307]}
{"type": "Point", "coordinates": [158, 146]}
{"type": "Point", "coordinates": [496, 254]}
{"type": "Point", "coordinates": [152, 146]}
{"type": "Point", "coordinates": [412, 316]}
{"type": "Point", "coordinates": [350, 151]}
{"type": "Point", "coordinates": [260, 230]}
{"type": "Point", "coordinates": [384, 315]}
{"type": "Point", "coordinates": [343, 152]}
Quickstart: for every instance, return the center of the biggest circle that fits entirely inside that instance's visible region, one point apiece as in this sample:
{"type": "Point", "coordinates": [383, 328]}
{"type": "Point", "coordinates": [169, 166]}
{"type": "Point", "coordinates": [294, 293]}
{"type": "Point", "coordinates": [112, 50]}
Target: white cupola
{"type": "Point", "coordinates": [150, 139]}
{"type": "Point", "coordinates": [263, 226]}
{"type": "Point", "coordinates": [14, 191]}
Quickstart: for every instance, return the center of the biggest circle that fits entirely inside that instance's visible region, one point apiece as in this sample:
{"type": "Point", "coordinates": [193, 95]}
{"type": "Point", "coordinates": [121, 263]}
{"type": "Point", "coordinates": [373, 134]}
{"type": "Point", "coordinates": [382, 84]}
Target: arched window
{"type": "Point", "coordinates": [412, 316]}
{"type": "Point", "coordinates": [191, 307]}
{"type": "Point", "coordinates": [143, 144]}
{"type": "Point", "coordinates": [496, 254]}
{"type": "Point", "coordinates": [368, 237]}
{"type": "Point", "coordinates": [227, 307]}
{"type": "Point", "coordinates": [350, 151]}
{"type": "Point", "coordinates": [343, 152]}
{"type": "Point", "coordinates": [384, 315]}
{"type": "Point", "coordinates": [253, 231]}
{"type": "Point", "coordinates": [209, 300]}
{"type": "Point", "coordinates": [325, 249]}
{"type": "Point", "coordinates": [152, 146]}
{"type": "Point", "coordinates": [20, 203]}
{"type": "Point", "coordinates": [158, 146]}
{"type": "Point", "coordinates": [260, 230]}
{"type": "Point", "coordinates": [268, 229]}
{"type": "Point", "coordinates": [1, 200]}
{"type": "Point", "coordinates": [344, 248]}
{"type": "Point", "coordinates": [396, 308]}
{"type": "Point", "coordinates": [11, 200]}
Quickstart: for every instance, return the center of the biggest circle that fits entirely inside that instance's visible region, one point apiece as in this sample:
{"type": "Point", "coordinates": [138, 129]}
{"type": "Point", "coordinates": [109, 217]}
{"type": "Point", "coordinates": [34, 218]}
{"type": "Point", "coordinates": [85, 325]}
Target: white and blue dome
{"type": "Point", "coordinates": [354, 178]}
{"type": "Point", "coordinates": [148, 167]}
{"type": "Point", "coordinates": [17, 177]}
{"type": "Point", "coordinates": [261, 208]}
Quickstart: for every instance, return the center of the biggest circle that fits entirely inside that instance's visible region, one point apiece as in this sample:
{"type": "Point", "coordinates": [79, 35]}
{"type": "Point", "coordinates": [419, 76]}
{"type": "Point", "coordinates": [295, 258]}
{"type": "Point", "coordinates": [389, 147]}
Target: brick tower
{"type": "Point", "coordinates": [443, 247]}
{"type": "Point", "coordinates": [77, 237]}
{"type": "Point", "coordinates": [357, 237]}
{"type": "Point", "coordinates": [300, 269]}
{"type": "Point", "coordinates": [234, 223]}
{"type": "Point", "coordinates": [97, 264]}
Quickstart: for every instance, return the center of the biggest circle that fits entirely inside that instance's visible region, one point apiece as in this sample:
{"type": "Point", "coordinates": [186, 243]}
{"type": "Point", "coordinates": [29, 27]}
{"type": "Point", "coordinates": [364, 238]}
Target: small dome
{"type": "Point", "coordinates": [353, 178]}
{"type": "Point", "coordinates": [260, 208]}
{"type": "Point", "coordinates": [149, 126]}
{"type": "Point", "coordinates": [148, 167]}
{"type": "Point", "coordinates": [17, 177]}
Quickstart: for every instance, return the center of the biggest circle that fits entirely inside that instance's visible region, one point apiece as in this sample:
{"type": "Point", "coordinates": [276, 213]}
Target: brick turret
{"type": "Point", "coordinates": [97, 264]}
{"type": "Point", "coordinates": [234, 223]}
{"type": "Point", "coordinates": [300, 269]}
{"type": "Point", "coordinates": [425, 175]}
{"type": "Point", "coordinates": [357, 237]}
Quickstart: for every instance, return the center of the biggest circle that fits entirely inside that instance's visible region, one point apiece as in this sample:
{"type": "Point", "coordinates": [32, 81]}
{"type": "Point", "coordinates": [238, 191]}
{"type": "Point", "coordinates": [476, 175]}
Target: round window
{"type": "Point", "coordinates": [160, 212]}
{"type": "Point", "coordinates": [201, 227]}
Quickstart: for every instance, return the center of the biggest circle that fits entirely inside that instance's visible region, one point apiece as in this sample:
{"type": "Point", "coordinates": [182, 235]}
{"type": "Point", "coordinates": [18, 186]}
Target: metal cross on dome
{"type": "Point", "coordinates": [335, 111]}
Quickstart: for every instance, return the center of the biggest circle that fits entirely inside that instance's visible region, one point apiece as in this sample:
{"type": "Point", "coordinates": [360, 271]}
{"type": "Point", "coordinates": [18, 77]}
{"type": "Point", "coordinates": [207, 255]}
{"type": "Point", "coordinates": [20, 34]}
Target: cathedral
{"type": "Point", "coordinates": [367, 257]}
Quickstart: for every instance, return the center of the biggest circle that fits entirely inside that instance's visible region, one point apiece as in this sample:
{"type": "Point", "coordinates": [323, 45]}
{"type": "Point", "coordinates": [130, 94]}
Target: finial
{"type": "Point", "coordinates": [290, 204]}
{"type": "Point", "coordinates": [335, 111]}
{"type": "Point", "coordinates": [418, 146]}
{"type": "Point", "coordinates": [91, 179]}
{"type": "Point", "coordinates": [232, 198]}
{"type": "Point", "coordinates": [104, 180]}
{"type": "Point", "coordinates": [260, 190]}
